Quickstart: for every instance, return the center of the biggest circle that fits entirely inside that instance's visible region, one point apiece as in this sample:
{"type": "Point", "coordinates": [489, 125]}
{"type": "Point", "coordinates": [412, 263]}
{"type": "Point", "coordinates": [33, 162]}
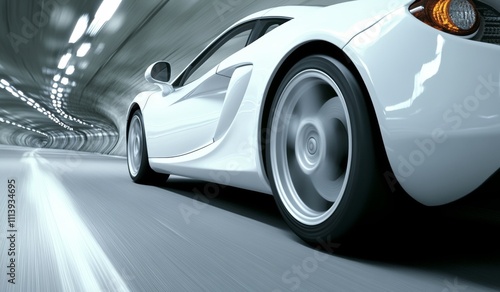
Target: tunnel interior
{"type": "Point", "coordinates": [70, 69]}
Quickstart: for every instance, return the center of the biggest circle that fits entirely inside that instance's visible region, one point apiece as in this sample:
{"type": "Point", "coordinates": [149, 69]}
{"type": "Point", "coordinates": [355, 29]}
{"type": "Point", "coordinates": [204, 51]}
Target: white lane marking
{"type": "Point", "coordinates": [82, 264]}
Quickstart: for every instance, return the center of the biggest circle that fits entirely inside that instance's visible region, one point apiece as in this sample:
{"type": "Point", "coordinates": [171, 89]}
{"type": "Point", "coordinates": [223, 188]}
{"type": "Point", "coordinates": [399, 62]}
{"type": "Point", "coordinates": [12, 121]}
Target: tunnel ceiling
{"type": "Point", "coordinates": [81, 105]}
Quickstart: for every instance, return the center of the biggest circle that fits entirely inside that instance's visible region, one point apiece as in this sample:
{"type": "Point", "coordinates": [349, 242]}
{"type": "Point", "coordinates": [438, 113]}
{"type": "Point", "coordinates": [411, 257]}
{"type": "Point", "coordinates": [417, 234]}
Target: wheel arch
{"type": "Point", "coordinates": [139, 103]}
{"type": "Point", "coordinates": [307, 49]}
{"type": "Point", "coordinates": [132, 109]}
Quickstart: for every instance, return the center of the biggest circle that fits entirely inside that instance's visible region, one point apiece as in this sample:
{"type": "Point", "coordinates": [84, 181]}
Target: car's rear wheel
{"type": "Point", "coordinates": [320, 151]}
{"type": "Point", "coordinates": [137, 154]}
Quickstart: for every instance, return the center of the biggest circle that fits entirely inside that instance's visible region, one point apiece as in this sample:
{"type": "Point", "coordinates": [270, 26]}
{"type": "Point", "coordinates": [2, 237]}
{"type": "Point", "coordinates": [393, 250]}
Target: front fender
{"type": "Point", "coordinates": [139, 102]}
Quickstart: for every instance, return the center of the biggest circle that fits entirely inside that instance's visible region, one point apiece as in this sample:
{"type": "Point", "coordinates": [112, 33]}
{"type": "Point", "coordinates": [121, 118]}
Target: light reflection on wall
{"type": "Point", "coordinates": [32, 103]}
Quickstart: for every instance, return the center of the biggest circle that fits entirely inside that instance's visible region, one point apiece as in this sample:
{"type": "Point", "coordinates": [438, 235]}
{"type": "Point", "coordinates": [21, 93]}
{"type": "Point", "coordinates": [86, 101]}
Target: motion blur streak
{"type": "Point", "coordinates": [82, 264]}
{"type": "Point", "coordinates": [80, 220]}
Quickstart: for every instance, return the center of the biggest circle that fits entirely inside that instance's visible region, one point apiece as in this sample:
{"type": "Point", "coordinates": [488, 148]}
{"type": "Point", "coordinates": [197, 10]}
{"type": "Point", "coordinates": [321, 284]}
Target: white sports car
{"type": "Point", "coordinates": [310, 103]}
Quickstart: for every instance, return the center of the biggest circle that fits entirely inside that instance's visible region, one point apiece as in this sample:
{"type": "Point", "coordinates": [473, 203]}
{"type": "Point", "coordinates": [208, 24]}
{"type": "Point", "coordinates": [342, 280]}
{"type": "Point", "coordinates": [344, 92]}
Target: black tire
{"type": "Point", "coordinates": [137, 154]}
{"type": "Point", "coordinates": [320, 152]}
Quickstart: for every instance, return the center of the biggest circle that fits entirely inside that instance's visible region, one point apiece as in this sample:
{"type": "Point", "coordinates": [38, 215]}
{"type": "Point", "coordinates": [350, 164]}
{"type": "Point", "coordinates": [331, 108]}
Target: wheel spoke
{"type": "Point", "coordinates": [337, 149]}
{"type": "Point", "coordinates": [310, 102]}
{"type": "Point", "coordinates": [332, 109]}
{"type": "Point", "coordinates": [325, 186]}
{"type": "Point", "coordinates": [329, 176]}
{"type": "Point", "coordinates": [309, 195]}
{"type": "Point", "coordinates": [306, 188]}
{"type": "Point", "coordinates": [291, 133]}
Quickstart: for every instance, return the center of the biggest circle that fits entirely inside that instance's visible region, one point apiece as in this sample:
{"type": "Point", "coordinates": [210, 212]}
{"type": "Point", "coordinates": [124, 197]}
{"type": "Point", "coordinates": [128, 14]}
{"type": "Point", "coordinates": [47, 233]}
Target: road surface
{"type": "Point", "coordinates": [81, 224]}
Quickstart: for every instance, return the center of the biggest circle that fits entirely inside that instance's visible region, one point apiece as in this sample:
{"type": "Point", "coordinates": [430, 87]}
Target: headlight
{"type": "Point", "coordinates": [459, 17]}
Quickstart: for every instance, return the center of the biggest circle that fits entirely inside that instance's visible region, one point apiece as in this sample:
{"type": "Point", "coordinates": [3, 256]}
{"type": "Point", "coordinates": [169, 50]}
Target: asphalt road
{"type": "Point", "coordinates": [80, 224]}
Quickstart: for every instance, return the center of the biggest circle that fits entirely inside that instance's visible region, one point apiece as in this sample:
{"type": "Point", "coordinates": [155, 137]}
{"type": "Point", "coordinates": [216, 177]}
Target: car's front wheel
{"type": "Point", "coordinates": [320, 151]}
{"type": "Point", "coordinates": [137, 154]}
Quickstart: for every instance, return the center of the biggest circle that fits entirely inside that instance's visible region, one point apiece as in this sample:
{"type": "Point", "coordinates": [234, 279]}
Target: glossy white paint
{"type": "Point", "coordinates": [235, 93]}
{"type": "Point", "coordinates": [437, 100]}
{"type": "Point", "coordinates": [185, 120]}
{"type": "Point", "coordinates": [236, 157]}
{"type": "Point", "coordinates": [415, 75]}
{"type": "Point", "coordinates": [140, 100]}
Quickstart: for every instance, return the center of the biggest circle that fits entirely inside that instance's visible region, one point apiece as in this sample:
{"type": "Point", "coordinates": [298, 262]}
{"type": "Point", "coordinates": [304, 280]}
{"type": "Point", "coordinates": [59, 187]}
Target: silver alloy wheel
{"type": "Point", "coordinates": [135, 145]}
{"type": "Point", "coordinates": [311, 146]}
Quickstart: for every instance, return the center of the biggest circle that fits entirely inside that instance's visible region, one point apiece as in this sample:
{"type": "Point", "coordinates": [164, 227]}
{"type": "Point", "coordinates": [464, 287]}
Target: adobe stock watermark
{"type": "Point", "coordinates": [31, 27]}
{"type": "Point", "coordinates": [300, 272]}
{"type": "Point", "coordinates": [488, 87]}
{"type": "Point", "coordinates": [210, 191]}
{"type": "Point", "coordinates": [373, 25]}
{"type": "Point", "coordinates": [247, 152]}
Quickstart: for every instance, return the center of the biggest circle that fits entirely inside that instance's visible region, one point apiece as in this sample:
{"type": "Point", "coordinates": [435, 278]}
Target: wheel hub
{"type": "Point", "coordinates": [312, 146]}
{"type": "Point", "coordinates": [308, 147]}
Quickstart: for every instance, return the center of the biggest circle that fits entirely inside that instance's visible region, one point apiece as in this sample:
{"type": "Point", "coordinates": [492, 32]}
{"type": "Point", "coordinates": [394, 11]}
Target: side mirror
{"type": "Point", "coordinates": [159, 73]}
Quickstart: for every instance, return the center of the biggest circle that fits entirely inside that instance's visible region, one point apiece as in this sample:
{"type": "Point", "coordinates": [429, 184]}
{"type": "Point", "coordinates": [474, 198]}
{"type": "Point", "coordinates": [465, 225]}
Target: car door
{"type": "Point", "coordinates": [186, 120]}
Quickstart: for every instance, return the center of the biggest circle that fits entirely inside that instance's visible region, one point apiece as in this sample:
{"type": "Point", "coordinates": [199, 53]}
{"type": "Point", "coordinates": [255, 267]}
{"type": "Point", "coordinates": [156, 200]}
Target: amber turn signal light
{"type": "Point", "coordinates": [458, 17]}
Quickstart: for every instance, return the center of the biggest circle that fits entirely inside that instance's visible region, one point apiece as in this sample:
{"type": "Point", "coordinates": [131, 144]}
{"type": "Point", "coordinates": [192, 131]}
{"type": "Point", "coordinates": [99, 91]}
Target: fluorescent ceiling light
{"type": "Point", "coordinates": [65, 81]}
{"type": "Point", "coordinates": [80, 28]}
{"type": "Point", "coordinates": [55, 85]}
{"type": "Point", "coordinates": [4, 82]}
{"type": "Point", "coordinates": [83, 50]}
{"type": "Point", "coordinates": [54, 91]}
{"type": "Point", "coordinates": [70, 70]}
{"type": "Point", "coordinates": [57, 78]}
{"type": "Point", "coordinates": [64, 61]}
{"type": "Point", "coordinates": [103, 14]}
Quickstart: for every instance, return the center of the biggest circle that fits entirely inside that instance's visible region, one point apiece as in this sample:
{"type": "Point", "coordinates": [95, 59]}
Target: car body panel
{"type": "Point", "coordinates": [233, 159]}
{"type": "Point", "coordinates": [140, 102]}
{"type": "Point", "coordinates": [236, 157]}
{"type": "Point", "coordinates": [438, 105]}
{"type": "Point", "coordinates": [191, 111]}
{"type": "Point", "coordinates": [214, 133]}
